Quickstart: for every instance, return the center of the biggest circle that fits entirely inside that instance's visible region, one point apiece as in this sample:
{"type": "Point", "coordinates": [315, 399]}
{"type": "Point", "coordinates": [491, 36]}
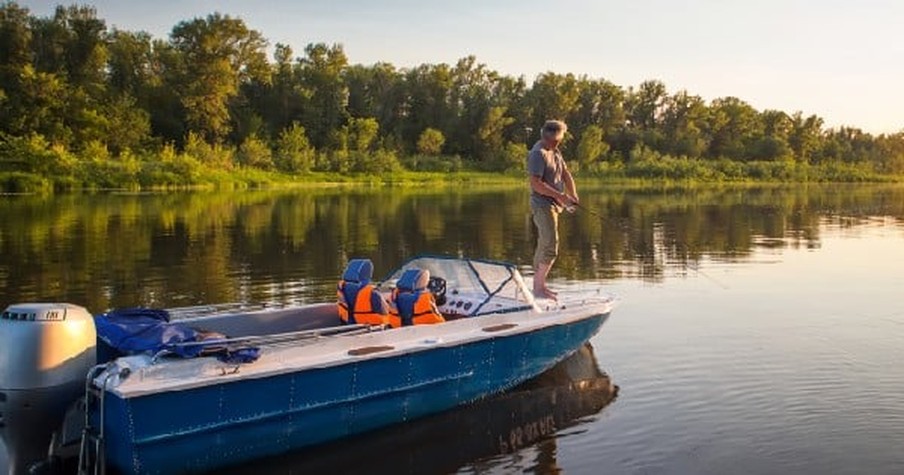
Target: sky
{"type": "Point", "coordinates": [840, 60]}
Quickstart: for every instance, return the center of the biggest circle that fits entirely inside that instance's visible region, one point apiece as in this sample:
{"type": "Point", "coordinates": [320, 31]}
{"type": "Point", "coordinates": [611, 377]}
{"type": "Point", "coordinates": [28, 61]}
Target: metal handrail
{"type": "Point", "coordinates": [270, 340]}
{"type": "Point", "coordinates": [85, 460]}
{"type": "Point", "coordinates": [264, 339]}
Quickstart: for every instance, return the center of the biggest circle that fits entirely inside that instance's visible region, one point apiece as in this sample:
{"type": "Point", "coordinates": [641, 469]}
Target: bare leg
{"type": "Point", "coordinates": [546, 220]}
{"type": "Point", "coordinates": [540, 288]}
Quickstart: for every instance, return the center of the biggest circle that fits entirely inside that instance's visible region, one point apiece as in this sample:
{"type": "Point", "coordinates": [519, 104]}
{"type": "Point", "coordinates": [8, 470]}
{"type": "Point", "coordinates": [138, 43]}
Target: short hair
{"type": "Point", "coordinates": [553, 128]}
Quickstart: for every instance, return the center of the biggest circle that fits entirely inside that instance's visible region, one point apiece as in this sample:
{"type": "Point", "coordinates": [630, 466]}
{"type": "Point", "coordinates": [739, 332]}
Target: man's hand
{"type": "Point", "coordinates": [567, 200]}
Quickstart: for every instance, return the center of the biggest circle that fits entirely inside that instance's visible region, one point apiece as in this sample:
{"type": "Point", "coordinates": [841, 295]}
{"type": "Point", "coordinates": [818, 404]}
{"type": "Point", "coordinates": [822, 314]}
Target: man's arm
{"type": "Point", "coordinates": [570, 188]}
{"type": "Point", "coordinates": [541, 187]}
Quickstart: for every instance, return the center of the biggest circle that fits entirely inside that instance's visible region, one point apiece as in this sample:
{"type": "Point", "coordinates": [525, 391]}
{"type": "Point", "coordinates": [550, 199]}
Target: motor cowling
{"type": "Point", "coordinates": [46, 351]}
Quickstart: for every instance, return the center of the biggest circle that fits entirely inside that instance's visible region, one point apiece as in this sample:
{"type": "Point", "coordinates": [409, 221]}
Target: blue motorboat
{"type": "Point", "coordinates": [311, 379]}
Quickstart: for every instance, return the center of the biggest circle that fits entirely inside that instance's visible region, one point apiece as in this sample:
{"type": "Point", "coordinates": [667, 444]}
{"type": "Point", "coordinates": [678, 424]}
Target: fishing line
{"type": "Point", "coordinates": [629, 227]}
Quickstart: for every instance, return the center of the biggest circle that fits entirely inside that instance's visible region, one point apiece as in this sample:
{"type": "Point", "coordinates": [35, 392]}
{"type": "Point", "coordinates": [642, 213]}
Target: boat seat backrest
{"type": "Point", "coordinates": [355, 279]}
{"type": "Point", "coordinates": [358, 271]}
{"type": "Point", "coordinates": [413, 280]}
{"type": "Point", "coordinates": [413, 303]}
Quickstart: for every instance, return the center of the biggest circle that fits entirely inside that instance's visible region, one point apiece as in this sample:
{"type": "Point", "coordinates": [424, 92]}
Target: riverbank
{"type": "Point", "coordinates": [162, 176]}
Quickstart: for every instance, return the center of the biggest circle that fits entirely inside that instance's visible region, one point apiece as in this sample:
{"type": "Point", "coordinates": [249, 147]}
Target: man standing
{"type": "Point", "coordinates": [552, 190]}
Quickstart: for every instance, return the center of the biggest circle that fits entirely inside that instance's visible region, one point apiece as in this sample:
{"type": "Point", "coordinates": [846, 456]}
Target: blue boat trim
{"type": "Point", "coordinates": [310, 407]}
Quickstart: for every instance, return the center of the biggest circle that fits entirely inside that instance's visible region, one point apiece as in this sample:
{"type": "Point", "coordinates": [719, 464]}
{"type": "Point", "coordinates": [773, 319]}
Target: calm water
{"type": "Point", "coordinates": [761, 330]}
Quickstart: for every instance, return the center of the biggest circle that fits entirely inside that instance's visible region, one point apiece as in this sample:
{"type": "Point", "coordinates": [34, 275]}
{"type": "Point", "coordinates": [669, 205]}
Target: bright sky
{"type": "Point", "coordinates": [841, 60]}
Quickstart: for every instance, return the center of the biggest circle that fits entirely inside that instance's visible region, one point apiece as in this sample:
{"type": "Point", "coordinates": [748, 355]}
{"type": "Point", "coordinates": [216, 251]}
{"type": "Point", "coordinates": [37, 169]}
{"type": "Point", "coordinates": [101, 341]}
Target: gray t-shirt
{"type": "Point", "coordinates": [550, 167]}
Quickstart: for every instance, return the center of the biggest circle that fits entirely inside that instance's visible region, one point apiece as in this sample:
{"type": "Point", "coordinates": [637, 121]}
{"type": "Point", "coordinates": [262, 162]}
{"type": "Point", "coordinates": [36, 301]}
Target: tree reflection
{"type": "Point", "coordinates": [115, 250]}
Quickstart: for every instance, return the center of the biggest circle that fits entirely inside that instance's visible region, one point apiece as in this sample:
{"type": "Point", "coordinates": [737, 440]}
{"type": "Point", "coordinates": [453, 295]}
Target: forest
{"type": "Point", "coordinates": [84, 105]}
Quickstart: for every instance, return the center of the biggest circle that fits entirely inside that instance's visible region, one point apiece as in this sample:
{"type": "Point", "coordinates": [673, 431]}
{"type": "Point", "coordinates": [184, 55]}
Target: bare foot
{"type": "Point", "coordinates": [544, 294]}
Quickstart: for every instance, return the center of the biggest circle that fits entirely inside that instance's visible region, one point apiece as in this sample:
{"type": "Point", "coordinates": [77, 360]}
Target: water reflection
{"type": "Point", "coordinates": [186, 248]}
{"type": "Point", "coordinates": [481, 435]}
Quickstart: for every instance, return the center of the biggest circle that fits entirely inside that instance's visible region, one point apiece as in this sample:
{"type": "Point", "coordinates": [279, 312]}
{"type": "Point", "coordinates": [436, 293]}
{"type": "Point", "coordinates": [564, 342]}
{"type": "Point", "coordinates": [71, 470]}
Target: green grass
{"type": "Point", "coordinates": [182, 172]}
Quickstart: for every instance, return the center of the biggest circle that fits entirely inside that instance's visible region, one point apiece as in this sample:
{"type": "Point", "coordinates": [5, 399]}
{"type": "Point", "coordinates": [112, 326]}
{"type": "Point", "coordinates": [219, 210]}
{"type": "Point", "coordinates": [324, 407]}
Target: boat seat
{"type": "Point", "coordinates": [412, 302]}
{"type": "Point", "coordinates": [357, 299]}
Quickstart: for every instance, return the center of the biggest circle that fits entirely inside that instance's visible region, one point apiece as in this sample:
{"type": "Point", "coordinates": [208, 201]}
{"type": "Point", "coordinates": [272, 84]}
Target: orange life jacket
{"type": "Point", "coordinates": [363, 310]}
{"type": "Point", "coordinates": [415, 307]}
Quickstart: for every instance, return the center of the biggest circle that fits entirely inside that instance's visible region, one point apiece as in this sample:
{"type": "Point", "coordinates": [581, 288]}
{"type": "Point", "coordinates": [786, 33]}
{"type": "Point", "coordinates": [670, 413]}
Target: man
{"type": "Point", "coordinates": [552, 190]}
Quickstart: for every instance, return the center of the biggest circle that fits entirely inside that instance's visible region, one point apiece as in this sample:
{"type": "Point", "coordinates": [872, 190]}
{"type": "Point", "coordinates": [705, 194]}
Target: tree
{"type": "Point", "coordinates": [217, 54]}
{"type": "Point", "coordinates": [591, 147]}
{"type": "Point", "coordinates": [130, 63]}
{"type": "Point", "coordinates": [490, 133]}
{"type": "Point", "coordinates": [734, 126]}
{"type": "Point", "coordinates": [40, 105]}
{"type": "Point", "coordinates": [804, 136]}
{"type": "Point", "coordinates": [774, 143]}
{"type": "Point", "coordinates": [126, 126]}
{"type": "Point", "coordinates": [683, 123]}
{"type": "Point", "coordinates": [428, 89]}
{"type": "Point", "coordinates": [86, 49]}
{"type": "Point", "coordinates": [15, 62]}
{"type": "Point", "coordinates": [279, 101]}
{"type": "Point", "coordinates": [326, 95]}
{"type": "Point", "coordinates": [15, 40]}
{"type": "Point", "coordinates": [646, 104]}
{"type": "Point", "coordinates": [430, 142]}
{"type": "Point", "coordinates": [362, 134]}
{"type": "Point", "coordinates": [354, 144]}
{"type": "Point", "coordinates": [553, 96]}
{"type": "Point", "coordinates": [376, 91]}
{"type": "Point", "coordinates": [601, 104]}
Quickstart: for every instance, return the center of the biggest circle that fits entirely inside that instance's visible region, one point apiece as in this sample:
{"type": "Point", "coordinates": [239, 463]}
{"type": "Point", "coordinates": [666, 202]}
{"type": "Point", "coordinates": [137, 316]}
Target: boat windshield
{"type": "Point", "coordinates": [483, 280]}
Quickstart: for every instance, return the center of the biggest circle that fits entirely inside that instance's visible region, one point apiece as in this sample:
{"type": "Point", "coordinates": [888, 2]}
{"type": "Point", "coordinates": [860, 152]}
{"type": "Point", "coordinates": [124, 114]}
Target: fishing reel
{"type": "Point", "coordinates": [437, 287]}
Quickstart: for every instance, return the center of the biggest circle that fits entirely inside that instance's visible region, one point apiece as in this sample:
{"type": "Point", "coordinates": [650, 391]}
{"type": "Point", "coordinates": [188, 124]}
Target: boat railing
{"type": "Point", "coordinates": [276, 339]}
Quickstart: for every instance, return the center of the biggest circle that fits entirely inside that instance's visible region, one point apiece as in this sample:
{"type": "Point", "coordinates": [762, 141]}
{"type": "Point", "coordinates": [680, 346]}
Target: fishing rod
{"type": "Point", "coordinates": [589, 210]}
{"type": "Point", "coordinates": [695, 268]}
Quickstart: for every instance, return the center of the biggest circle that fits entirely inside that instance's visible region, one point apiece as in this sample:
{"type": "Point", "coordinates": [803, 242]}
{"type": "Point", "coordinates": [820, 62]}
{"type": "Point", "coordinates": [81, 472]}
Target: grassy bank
{"type": "Point", "coordinates": [27, 166]}
{"type": "Point", "coordinates": [153, 178]}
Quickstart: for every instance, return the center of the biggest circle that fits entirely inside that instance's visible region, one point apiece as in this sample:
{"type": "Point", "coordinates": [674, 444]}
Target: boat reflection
{"type": "Point", "coordinates": [517, 419]}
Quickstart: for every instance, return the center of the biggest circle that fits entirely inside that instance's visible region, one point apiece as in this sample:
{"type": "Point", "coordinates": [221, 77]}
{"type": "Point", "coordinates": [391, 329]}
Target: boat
{"type": "Point", "coordinates": [481, 434]}
{"type": "Point", "coordinates": [277, 379]}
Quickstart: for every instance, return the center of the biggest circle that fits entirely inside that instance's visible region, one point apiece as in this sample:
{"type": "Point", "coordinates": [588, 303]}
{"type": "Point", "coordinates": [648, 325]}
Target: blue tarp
{"type": "Point", "coordinates": [146, 330]}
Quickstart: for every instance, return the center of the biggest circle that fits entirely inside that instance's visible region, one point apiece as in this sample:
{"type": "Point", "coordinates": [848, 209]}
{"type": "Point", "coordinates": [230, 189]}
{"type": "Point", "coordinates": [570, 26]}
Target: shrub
{"type": "Point", "coordinates": [34, 154]}
{"type": "Point", "coordinates": [432, 163]}
{"type": "Point", "coordinates": [213, 156]}
{"type": "Point", "coordinates": [255, 153]}
{"type": "Point", "coordinates": [513, 157]}
{"type": "Point", "coordinates": [431, 142]}
{"type": "Point", "coordinates": [22, 182]}
{"type": "Point", "coordinates": [294, 153]}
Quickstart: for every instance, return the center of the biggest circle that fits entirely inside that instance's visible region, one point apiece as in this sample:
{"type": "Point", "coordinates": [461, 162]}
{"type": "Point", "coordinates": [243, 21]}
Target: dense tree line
{"type": "Point", "coordinates": [101, 106]}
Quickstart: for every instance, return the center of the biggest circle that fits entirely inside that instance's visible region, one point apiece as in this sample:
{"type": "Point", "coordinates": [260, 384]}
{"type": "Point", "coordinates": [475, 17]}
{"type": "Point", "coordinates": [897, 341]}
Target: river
{"type": "Point", "coordinates": [759, 329]}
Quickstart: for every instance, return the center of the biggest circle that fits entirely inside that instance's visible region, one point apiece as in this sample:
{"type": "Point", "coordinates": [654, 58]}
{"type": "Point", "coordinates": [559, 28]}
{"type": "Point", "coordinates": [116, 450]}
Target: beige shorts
{"type": "Point", "coordinates": [546, 218]}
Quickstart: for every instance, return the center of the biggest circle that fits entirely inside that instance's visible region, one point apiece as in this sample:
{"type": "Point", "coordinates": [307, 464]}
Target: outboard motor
{"type": "Point", "coordinates": [46, 351]}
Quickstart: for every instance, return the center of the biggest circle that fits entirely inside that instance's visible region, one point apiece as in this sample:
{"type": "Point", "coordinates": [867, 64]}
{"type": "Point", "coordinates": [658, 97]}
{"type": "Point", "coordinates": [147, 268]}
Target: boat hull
{"type": "Point", "coordinates": [203, 428]}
